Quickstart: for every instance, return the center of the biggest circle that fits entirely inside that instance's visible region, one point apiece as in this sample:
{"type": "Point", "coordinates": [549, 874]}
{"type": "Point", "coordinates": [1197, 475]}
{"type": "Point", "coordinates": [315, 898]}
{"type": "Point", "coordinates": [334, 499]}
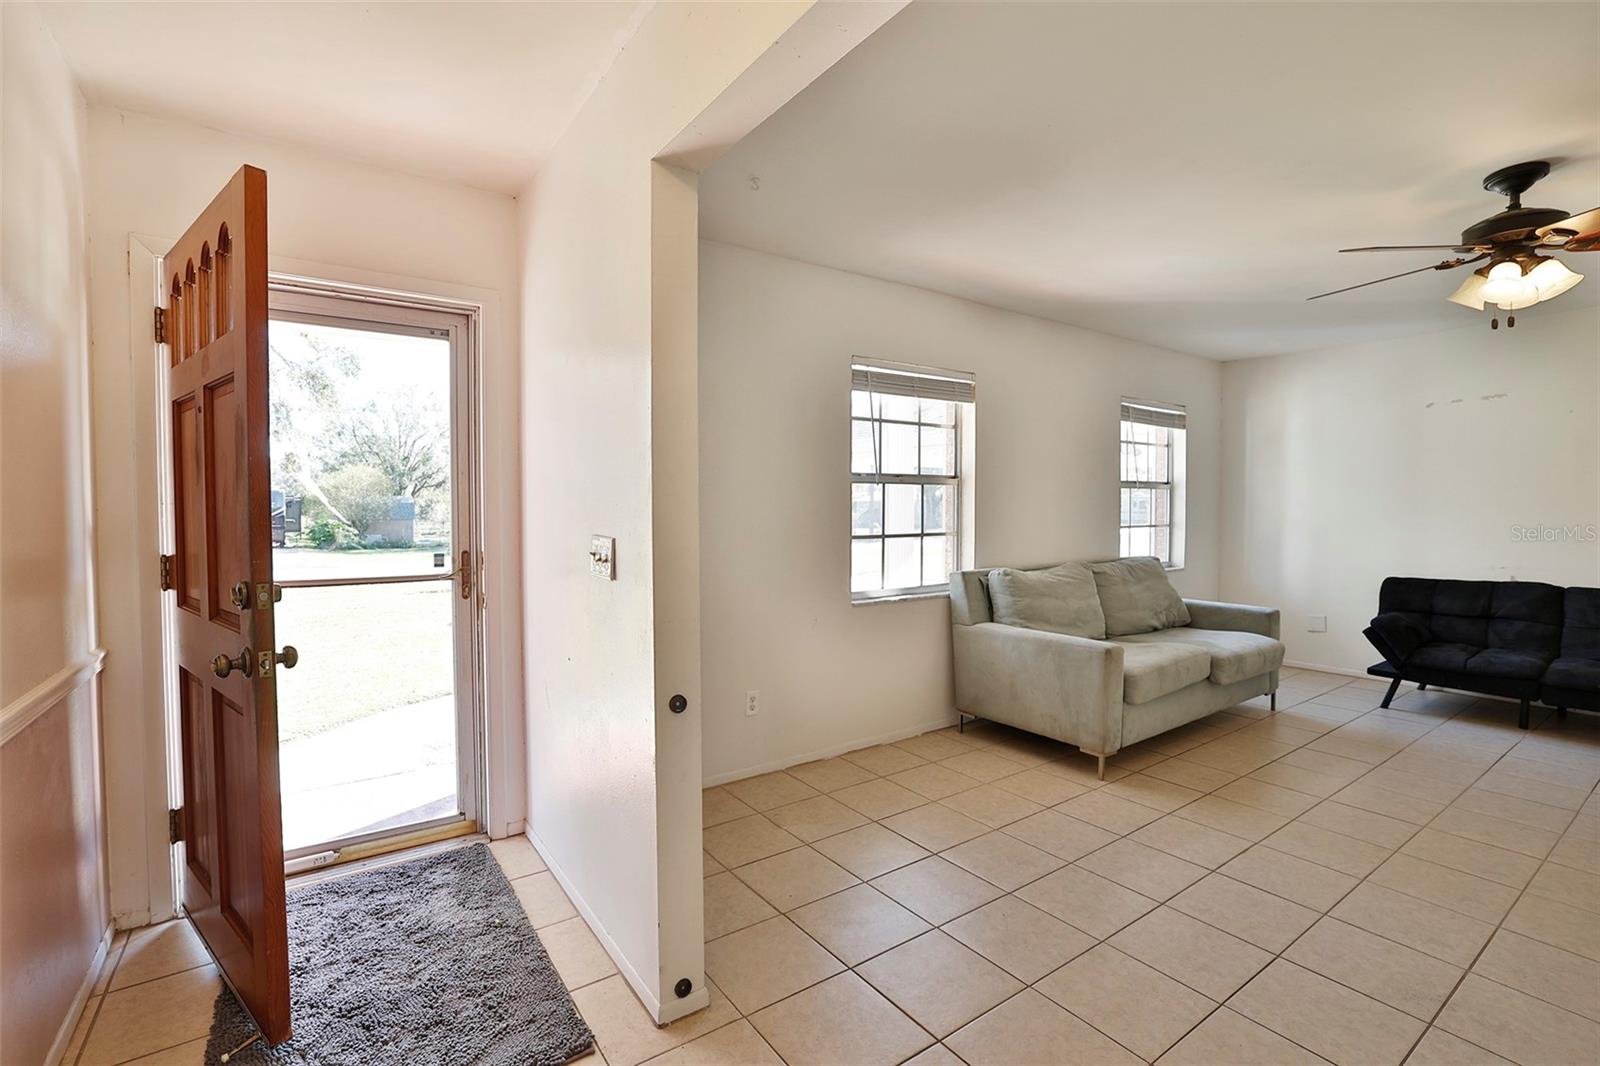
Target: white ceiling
{"type": "Point", "coordinates": [1180, 174]}
{"type": "Point", "coordinates": [476, 93]}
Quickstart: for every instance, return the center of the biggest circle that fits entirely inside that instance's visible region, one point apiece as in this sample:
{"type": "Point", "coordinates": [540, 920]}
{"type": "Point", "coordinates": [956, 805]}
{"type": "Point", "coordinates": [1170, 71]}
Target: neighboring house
{"type": "Point", "coordinates": [399, 529]}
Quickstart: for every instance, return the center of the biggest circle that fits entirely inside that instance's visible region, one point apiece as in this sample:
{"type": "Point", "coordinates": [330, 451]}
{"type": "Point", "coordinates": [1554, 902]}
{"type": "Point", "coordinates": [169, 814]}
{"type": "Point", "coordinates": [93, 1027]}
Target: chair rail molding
{"type": "Point", "coordinates": [21, 712]}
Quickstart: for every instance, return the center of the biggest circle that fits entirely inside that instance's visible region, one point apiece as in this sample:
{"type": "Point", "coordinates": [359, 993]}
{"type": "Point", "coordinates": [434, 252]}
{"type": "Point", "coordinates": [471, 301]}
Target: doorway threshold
{"type": "Point", "coordinates": [379, 849]}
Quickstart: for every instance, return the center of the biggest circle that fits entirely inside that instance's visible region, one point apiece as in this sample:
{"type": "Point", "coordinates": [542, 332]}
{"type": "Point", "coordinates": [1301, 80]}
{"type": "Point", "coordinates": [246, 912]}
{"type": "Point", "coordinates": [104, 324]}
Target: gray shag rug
{"type": "Point", "coordinates": [423, 962]}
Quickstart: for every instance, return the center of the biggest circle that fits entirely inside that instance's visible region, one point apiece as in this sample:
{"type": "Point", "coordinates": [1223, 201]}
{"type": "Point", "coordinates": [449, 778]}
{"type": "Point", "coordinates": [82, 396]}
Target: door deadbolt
{"type": "Point", "coordinates": [240, 595]}
{"type": "Point", "coordinates": [222, 666]}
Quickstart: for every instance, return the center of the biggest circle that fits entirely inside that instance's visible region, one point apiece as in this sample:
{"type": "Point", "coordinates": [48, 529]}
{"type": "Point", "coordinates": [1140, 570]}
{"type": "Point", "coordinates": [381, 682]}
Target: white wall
{"type": "Point", "coordinates": [776, 340]}
{"type": "Point", "coordinates": [1414, 457]}
{"type": "Point", "coordinates": [53, 911]}
{"type": "Point", "coordinates": [609, 447]}
{"type": "Point", "coordinates": [609, 766]}
{"type": "Point", "coordinates": [329, 217]}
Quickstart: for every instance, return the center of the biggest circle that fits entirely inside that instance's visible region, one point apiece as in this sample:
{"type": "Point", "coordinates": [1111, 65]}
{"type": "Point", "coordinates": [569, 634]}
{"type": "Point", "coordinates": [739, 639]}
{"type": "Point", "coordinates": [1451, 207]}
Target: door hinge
{"type": "Point", "coordinates": [161, 325]}
{"type": "Point", "coordinates": [175, 825]}
{"type": "Point", "coordinates": [168, 564]}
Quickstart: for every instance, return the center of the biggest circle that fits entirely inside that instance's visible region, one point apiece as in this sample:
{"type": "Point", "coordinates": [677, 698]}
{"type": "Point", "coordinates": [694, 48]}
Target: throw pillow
{"type": "Point", "coordinates": [1136, 596]}
{"type": "Point", "coordinates": [1062, 599]}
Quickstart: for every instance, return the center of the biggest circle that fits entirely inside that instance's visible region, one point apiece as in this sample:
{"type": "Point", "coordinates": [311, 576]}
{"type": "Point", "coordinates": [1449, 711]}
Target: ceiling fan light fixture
{"type": "Point", "coordinates": [1470, 294]}
{"type": "Point", "coordinates": [1516, 276]}
{"type": "Point", "coordinates": [1552, 278]}
{"type": "Point", "coordinates": [1508, 287]}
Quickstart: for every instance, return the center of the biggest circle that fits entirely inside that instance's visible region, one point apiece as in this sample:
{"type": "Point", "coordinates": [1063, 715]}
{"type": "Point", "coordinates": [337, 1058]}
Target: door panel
{"type": "Point", "coordinates": [233, 888]}
{"type": "Point", "coordinates": [189, 520]}
{"type": "Point", "coordinates": [223, 532]}
{"type": "Point", "coordinates": [199, 786]}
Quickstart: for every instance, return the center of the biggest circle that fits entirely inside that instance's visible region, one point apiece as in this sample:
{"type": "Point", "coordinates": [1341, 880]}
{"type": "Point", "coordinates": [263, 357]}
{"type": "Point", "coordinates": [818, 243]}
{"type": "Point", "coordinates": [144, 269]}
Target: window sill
{"type": "Point", "coordinates": [873, 601]}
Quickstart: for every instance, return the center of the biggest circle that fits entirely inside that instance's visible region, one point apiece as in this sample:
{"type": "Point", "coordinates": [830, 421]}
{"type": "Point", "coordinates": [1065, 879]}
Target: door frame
{"type": "Point", "coordinates": [141, 765]}
{"type": "Point", "coordinates": [311, 300]}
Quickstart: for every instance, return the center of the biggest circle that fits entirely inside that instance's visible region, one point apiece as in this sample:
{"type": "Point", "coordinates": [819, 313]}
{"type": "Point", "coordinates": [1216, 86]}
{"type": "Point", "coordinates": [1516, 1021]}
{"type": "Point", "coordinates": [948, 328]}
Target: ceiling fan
{"type": "Point", "coordinates": [1516, 275]}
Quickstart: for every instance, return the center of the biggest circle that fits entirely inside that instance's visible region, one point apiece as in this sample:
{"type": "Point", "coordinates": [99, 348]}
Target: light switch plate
{"type": "Point", "coordinates": [603, 557]}
{"type": "Point", "coordinates": [1316, 623]}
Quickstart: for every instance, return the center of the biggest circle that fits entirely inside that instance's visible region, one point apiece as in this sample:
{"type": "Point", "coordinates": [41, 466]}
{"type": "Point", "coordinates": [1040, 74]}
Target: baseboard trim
{"type": "Point", "coordinates": [21, 712]}
{"type": "Point", "coordinates": [58, 1048]}
{"type": "Point", "coordinates": [696, 1000]}
{"type": "Point", "coordinates": [1319, 668]}
{"type": "Point", "coordinates": [828, 752]}
{"type": "Point", "coordinates": [1373, 677]}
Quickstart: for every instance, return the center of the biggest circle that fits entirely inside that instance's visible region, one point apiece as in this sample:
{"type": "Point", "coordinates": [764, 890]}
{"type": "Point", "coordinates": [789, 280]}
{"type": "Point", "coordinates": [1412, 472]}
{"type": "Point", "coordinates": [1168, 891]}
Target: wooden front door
{"type": "Point", "coordinates": [215, 281]}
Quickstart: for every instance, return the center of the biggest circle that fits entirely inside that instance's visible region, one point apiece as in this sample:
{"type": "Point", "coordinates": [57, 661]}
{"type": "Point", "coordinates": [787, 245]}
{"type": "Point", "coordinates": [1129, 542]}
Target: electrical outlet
{"type": "Point", "coordinates": [1316, 623]}
{"type": "Point", "coordinates": [752, 703]}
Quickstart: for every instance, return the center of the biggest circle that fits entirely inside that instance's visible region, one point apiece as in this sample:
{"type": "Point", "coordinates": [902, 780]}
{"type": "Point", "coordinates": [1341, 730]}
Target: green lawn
{"type": "Point", "coordinates": [363, 649]}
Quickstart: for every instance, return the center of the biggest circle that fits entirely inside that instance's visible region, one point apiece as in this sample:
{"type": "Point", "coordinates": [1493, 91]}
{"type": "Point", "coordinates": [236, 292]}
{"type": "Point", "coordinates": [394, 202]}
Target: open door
{"type": "Point", "coordinates": [215, 328]}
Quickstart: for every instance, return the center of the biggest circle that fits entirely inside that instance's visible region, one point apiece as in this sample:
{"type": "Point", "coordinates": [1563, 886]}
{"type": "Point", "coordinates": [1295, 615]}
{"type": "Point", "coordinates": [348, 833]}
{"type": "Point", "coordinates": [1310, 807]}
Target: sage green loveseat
{"type": "Point", "coordinates": [1103, 655]}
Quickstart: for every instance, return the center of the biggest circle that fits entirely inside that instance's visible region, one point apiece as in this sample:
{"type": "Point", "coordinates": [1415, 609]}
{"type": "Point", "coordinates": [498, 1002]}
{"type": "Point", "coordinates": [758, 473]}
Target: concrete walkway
{"type": "Point", "coordinates": [387, 769]}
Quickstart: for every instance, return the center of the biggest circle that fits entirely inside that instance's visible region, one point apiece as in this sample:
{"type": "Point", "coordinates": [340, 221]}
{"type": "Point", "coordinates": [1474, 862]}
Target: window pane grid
{"type": "Point", "coordinates": [1146, 505]}
{"type": "Point", "coordinates": [905, 456]}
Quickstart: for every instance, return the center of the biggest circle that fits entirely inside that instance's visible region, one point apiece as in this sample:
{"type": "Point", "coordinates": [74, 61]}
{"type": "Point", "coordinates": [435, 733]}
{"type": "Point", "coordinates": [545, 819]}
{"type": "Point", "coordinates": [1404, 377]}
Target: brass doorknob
{"type": "Point", "coordinates": [222, 666]}
{"type": "Point", "coordinates": [288, 657]}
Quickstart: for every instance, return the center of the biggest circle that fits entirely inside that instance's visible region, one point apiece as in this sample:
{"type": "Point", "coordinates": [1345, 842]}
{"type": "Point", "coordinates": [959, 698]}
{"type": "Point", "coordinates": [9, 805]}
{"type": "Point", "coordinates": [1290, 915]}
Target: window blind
{"type": "Point", "coordinates": [889, 380]}
{"type": "Point", "coordinates": [1148, 414]}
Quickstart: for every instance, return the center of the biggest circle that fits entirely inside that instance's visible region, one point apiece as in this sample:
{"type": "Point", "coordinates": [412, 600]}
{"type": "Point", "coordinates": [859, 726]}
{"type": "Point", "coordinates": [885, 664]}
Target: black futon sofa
{"type": "Point", "coordinates": [1520, 639]}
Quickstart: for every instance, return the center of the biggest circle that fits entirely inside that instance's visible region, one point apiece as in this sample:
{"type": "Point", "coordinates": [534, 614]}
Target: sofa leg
{"type": "Point", "coordinates": [1101, 768]}
{"type": "Point", "coordinates": [1561, 713]}
{"type": "Point", "coordinates": [1522, 715]}
{"type": "Point", "coordinates": [1422, 686]}
{"type": "Point", "coordinates": [1273, 701]}
{"type": "Point", "coordinates": [1394, 686]}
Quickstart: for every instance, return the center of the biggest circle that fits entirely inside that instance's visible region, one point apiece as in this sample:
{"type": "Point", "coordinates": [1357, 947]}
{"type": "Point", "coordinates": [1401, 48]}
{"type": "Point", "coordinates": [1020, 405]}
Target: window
{"type": "Point", "coordinates": [1153, 462]}
{"type": "Point", "coordinates": [907, 476]}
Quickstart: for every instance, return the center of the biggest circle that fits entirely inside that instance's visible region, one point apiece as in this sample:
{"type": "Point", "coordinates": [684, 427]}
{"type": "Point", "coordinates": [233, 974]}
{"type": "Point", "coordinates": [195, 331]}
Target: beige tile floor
{"type": "Point", "coordinates": [1332, 883]}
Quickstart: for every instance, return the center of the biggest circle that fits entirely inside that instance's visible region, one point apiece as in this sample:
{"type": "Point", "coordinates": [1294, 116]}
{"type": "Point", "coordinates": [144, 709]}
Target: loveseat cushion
{"type": "Point", "coordinates": [1580, 627]}
{"type": "Point", "coordinates": [1506, 662]}
{"type": "Point", "coordinates": [1151, 669]}
{"type": "Point", "coordinates": [1572, 673]}
{"type": "Point", "coordinates": [1234, 656]}
{"type": "Point", "coordinates": [1472, 661]}
{"type": "Point", "coordinates": [1137, 597]}
{"type": "Point", "coordinates": [1062, 599]}
{"type": "Point", "coordinates": [1441, 655]}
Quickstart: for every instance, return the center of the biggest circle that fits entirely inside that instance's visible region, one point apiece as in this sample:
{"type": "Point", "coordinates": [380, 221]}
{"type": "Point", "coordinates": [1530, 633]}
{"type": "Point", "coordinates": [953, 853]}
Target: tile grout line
{"type": "Point", "coordinates": [1415, 828]}
{"type": "Point", "coordinates": [1099, 941]}
{"type": "Point", "coordinates": [1280, 954]}
{"type": "Point", "coordinates": [1428, 1024]}
{"type": "Point", "coordinates": [95, 1003]}
{"type": "Point", "coordinates": [1495, 932]}
{"type": "Point", "coordinates": [98, 1001]}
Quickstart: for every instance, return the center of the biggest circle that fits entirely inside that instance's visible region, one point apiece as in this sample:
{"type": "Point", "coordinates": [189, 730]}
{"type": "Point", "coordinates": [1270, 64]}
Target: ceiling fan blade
{"type": "Point", "coordinates": [1584, 226]}
{"type": "Point", "coordinates": [1448, 264]}
{"type": "Point", "coordinates": [1412, 248]}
